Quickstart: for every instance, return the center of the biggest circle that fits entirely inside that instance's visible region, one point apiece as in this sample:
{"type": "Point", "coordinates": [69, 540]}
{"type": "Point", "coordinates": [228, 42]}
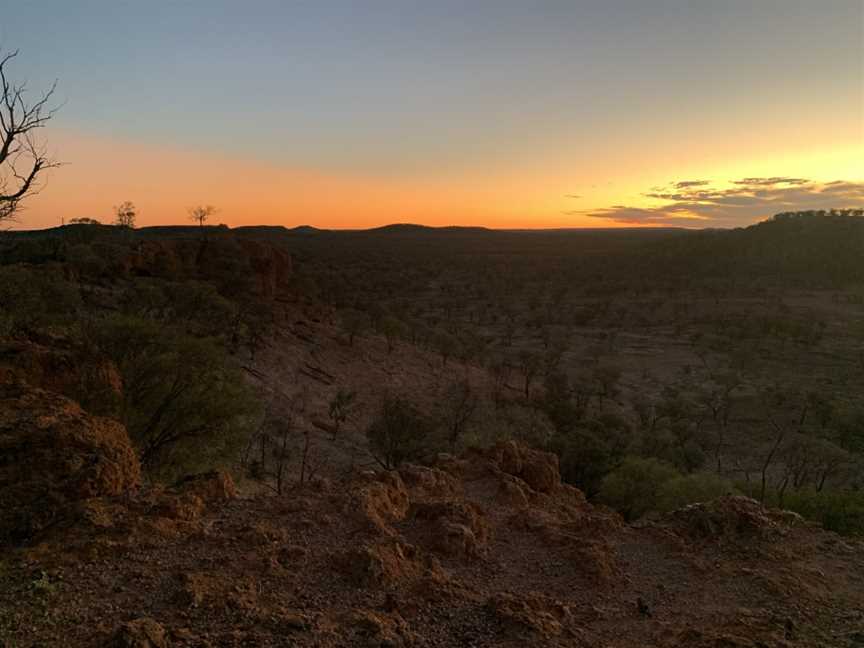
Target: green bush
{"type": "Point", "coordinates": [634, 487]}
{"type": "Point", "coordinates": [689, 489]}
{"type": "Point", "coordinates": [587, 454]}
{"type": "Point", "coordinates": [185, 404]}
{"type": "Point", "coordinates": [839, 511]}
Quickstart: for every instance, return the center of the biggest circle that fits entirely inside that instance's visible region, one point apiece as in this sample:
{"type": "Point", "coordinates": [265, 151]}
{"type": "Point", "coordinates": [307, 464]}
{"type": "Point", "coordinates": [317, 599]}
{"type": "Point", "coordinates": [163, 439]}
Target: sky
{"type": "Point", "coordinates": [507, 114]}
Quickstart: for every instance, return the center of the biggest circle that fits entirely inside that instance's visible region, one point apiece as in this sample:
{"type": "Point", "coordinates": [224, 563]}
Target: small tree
{"type": "Point", "coordinates": [342, 407]}
{"type": "Point", "coordinates": [124, 215]}
{"type": "Point", "coordinates": [399, 433]}
{"type": "Point", "coordinates": [529, 364]}
{"type": "Point", "coordinates": [607, 377]}
{"type": "Point", "coordinates": [392, 328]}
{"type": "Point", "coordinates": [458, 410]}
{"type": "Point", "coordinates": [284, 428]}
{"type": "Point", "coordinates": [201, 214]}
{"type": "Point", "coordinates": [446, 344]}
{"type": "Point", "coordinates": [22, 159]}
{"type": "Point", "coordinates": [634, 487]}
{"type": "Point", "coordinates": [354, 322]}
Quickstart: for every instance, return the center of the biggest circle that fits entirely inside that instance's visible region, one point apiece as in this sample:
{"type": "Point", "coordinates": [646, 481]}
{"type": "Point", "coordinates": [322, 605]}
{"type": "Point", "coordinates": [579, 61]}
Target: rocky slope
{"type": "Point", "coordinates": [488, 549]}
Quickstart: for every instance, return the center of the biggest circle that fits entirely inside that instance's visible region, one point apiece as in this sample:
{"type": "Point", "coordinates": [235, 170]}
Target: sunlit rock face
{"type": "Point", "coordinates": [53, 454]}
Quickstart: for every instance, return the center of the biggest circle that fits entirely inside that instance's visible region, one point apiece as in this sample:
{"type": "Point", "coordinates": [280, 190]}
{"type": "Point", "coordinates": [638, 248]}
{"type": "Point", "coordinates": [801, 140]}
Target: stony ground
{"type": "Point", "coordinates": [486, 550]}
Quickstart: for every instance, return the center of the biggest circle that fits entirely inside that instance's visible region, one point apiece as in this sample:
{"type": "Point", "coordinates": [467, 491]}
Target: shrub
{"type": "Point", "coordinates": [399, 433]}
{"type": "Point", "coordinates": [588, 449]}
{"type": "Point", "coordinates": [689, 489]}
{"type": "Point", "coordinates": [33, 300]}
{"type": "Point", "coordinates": [86, 262]}
{"type": "Point", "coordinates": [184, 404]}
{"type": "Point", "coordinates": [838, 511]}
{"type": "Point", "coordinates": [634, 487]}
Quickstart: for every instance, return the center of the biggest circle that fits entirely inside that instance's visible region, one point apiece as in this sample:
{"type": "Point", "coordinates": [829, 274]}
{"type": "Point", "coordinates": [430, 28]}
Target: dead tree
{"type": "Point", "coordinates": [22, 158]}
{"type": "Point", "coordinates": [201, 214]}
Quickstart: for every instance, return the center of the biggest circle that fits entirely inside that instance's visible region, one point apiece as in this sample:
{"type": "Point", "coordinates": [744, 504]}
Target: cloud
{"type": "Point", "coordinates": [694, 203]}
{"type": "Point", "coordinates": [770, 182]}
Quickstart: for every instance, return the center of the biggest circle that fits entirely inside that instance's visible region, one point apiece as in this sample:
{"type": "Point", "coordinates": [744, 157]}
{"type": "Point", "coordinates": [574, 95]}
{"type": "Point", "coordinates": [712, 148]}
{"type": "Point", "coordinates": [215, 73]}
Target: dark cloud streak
{"type": "Point", "coordinates": [778, 180]}
{"type": "Point", "coordinates": [693, 203]}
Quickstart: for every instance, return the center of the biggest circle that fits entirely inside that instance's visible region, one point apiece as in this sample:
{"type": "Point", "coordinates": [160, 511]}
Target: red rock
{"type": "Point", "coordinates": [140, 633]}
{"type": "Point", "coordinates": [52, 455]}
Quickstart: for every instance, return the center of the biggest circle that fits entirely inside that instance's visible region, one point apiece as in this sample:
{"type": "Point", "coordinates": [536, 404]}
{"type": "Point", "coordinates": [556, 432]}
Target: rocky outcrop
{"type": "Point", "coordinates": [271, 267]}
{"type": "Point", "coordinates": [533, 616]}
{"type": "Point", "coordinates": [453, 528]}
{"type": "Point", "coordinates": [374, 629]}
{"type": "Point", "coordinates": [464, 553]}
{"type": "Point", "coordinates": [212, 487]}
{"type": "Point", "coordinates": [387, 563]}
{"type": "Point", "coordinates": [730, 519]}
{"type": "Point", "coordinates": [379, 500]}
{"type": "Point", "coordinates": [53, 455]}
{"type": "Point", "coordinates": [140, 633]}
{"type": "Point", "coordinates": [92, 381]}
{"type": "Point", "coordinates": [265, 269]}
{"type": "Point", "coordinates": [433, 481]}
{"type": "Point", "coordinates": [537, 469]}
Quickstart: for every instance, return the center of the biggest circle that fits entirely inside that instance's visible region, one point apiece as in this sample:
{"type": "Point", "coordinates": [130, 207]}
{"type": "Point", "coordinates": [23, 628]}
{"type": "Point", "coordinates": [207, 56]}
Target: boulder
{"type": "Point", "coordinates": [537, 469]}
{"type": "Point", "coordinates": [53, 455]}
{"type": "Point", "coordinates": [530, 616]}
{"type": "Point", "coordinates": [387, 563]}
{"type": "Point", "coordinates": [380, 499]}
{"type": "Point", "coordinates": [213, 487]}
{"type": "Point", "coordinates": [429, 481]}
{"type": "Point", "coordinates": [375, 629]}
{"type": "Point", "coordinates": [453, 528]}
{"type": "Point", "coordinates": [140, 633]}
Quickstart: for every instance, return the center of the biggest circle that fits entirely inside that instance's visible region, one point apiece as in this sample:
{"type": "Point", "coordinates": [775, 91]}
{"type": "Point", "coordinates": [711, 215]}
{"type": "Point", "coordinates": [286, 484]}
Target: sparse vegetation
{"type": "Point", "coordinates": [637, 434]}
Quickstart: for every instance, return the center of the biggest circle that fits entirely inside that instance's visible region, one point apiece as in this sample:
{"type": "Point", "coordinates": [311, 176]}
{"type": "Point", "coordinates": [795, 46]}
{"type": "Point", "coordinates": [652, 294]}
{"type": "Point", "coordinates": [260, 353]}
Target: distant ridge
{"type": "Point", "coordinates": [413, 228]}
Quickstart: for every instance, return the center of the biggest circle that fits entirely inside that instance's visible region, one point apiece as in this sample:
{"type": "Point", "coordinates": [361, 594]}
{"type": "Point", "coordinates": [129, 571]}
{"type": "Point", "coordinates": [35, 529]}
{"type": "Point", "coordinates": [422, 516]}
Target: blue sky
{"type": "Point", "coordinates": [425, 91]}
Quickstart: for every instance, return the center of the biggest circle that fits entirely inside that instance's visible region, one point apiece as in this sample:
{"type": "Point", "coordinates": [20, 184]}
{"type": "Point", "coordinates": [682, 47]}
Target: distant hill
{"type": "Point", "coordinates": [813, 248]}
{"type": "Point", "coordinates": [412, 228]}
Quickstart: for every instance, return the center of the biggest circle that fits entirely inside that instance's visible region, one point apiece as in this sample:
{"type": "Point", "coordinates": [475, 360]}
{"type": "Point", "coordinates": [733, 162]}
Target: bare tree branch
{"type": "Point", "coordinates": [22, 160]}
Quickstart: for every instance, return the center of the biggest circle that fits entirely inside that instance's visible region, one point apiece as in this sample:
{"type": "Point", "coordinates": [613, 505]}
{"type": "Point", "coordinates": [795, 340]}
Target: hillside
{"type": "Point", "coordinates": [489, 549]}
{"type": "Point", "coordinates": [413, 437]}
{"type": "Point", "coordinates": [797, 248]}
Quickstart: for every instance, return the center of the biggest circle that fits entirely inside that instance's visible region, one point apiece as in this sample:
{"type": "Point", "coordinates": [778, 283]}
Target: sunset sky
{"type": "Point", "coordinates": [498, 113]}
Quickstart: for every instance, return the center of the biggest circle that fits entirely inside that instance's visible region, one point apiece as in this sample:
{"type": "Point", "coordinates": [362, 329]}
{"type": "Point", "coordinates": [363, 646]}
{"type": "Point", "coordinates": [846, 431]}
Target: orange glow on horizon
{"type": "Point", "coordinates": [163, 182]}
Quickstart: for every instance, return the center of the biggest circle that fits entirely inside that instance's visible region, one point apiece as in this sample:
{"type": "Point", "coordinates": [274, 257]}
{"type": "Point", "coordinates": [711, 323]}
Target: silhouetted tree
{"type": "Point", "coordinates": [201, 214]}
{"type": "Point", "coordinates": [22, 159]}
{"type": "Point", "coordinates": [124, 215]}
